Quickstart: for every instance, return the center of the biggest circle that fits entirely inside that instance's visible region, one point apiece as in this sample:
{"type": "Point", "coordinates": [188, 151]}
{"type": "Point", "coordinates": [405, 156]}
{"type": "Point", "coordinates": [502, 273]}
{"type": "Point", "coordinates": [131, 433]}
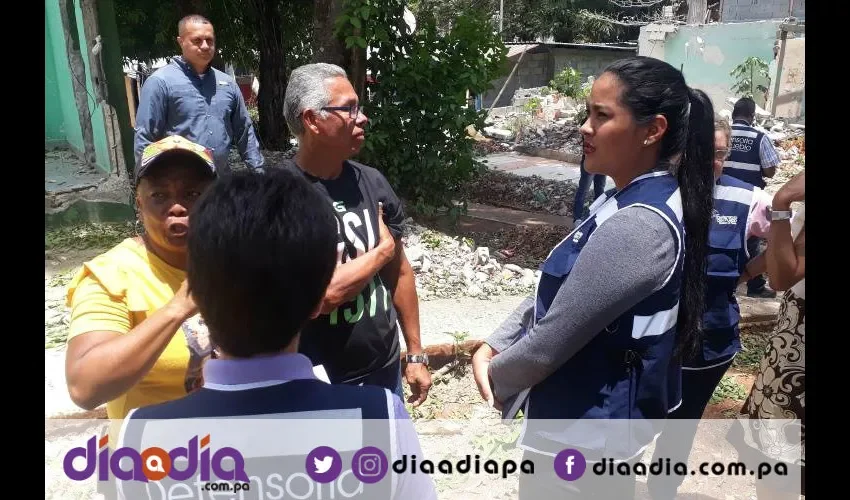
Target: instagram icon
{"type": "Point", "coordinates": [369, 464]}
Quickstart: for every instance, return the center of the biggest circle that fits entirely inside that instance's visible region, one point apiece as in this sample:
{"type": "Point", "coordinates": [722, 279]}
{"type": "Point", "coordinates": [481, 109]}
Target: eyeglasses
{"type": "Point", "coordinates": [354, 110]}
{"type": "Point", "coordinates": [721, 154]}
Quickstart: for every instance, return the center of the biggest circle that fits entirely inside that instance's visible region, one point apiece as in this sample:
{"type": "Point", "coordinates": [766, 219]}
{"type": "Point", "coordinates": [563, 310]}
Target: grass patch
{"type": "Point", "coordinates": [753, 347]}
{"type": "Point", "coordinates": [728, 388]}
{"type": "Point", "coordinates": [88, 235]}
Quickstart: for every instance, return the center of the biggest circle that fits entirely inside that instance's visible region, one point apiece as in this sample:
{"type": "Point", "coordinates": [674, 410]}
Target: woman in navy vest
{"type": "Point", "coordinates": [596, 368]}
{"type": "Point", "coordinates": [741, 211]}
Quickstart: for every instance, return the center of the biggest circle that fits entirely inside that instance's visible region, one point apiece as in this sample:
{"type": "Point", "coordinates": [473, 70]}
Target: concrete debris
{"type": "Point", "coordinates": [530, 193]}
{"type": "Point", "coordinates": [501, 134]}
{"type": "Point", "coordinates": [537, 118]}
{"type": "Point", "coordinates": [559, 136]}
{"type": "Point", "coordinates": [456, 269]}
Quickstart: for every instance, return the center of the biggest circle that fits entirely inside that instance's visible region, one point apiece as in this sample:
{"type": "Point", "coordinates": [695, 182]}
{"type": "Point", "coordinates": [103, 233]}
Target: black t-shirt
{"type": "Point", "coordinates": [360, 336]}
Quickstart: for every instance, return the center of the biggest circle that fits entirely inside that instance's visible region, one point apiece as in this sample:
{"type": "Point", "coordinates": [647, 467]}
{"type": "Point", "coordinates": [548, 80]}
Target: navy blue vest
{"type": "Point", "coordinates": [627, 373]}
{"type": "Point", "coordinates": [727, 259]}
{"type": "Point", "coordinates": [285, 412]}
{"type": "Point", "coordinates": [744, 161]}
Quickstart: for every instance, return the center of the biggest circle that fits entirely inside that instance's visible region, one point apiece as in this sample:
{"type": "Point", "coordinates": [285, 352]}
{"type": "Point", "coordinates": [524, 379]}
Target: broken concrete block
{"type": "Point", "coordinates": [499, 133]}
{"type": "Point", "coordinates": [777, 136]}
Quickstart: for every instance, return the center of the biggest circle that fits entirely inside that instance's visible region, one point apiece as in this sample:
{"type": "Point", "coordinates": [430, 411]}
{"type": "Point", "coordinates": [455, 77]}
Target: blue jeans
{"type": "Point", "coordinates": [388, 378]}
{"type": "Point", "coordinates": [583, 183]}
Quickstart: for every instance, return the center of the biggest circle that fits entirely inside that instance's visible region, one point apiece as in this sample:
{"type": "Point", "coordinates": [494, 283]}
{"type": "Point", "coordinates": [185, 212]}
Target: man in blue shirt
{"type": "Point", "coordinates": [188, 97]}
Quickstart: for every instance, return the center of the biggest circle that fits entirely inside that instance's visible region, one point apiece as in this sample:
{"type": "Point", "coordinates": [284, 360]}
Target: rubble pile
{"type": "Point", "coordinates": [551, 124]}
{"type": "Point", "coordinates": [556, 135]}
{"type": "Point", "coordinates": [532, 193]}
{"type": "Point", "coordinates": [449, 267]}
{"type": "Point", "coordinates": [525, 246]}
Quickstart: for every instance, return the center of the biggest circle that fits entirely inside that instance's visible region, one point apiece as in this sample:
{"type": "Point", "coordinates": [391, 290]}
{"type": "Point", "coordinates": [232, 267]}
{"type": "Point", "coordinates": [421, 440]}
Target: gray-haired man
{"type": "Point", "coordinates": [373, 288]}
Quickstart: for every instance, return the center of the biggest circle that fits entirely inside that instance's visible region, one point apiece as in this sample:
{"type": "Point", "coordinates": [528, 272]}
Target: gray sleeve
{"type": "Point", "coordinates": [509, 330]}
{"type": "Point", "coordinates": [627, 258]}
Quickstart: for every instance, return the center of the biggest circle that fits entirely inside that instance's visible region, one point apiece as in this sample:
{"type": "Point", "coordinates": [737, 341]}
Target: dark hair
{"type": "Point", "coordinates": [653, 87]}
{"type": "Point", "coordinates": [191, 18]}
{"type": "Point", "coordinates": [745, 107]}
{"type": "Point", "coordinates": [262, 250]}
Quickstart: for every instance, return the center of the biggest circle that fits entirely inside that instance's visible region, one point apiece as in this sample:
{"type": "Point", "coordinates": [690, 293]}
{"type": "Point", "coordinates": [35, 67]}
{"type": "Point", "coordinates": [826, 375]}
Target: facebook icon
{"type": "Point", "coordinates": [570, 464]}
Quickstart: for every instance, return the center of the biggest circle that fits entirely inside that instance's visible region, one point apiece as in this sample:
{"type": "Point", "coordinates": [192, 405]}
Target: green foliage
{"type": "Point", "coordinates": [528, 20]}
{"type": "Point", "coordinates": [568, 83]}
{"type": "Point", "coordinates": [532, 105]}
{"type": "Point", "coordinates": [728, 388]}
{"type": "Point", "coordinates": [88, 235]}
{"type": "Point", "coordinates": [418, 107]}
{"type": "Point", "coordinates": [747, 74]}
{"type": "Point", "coordinates": [148, 30]}
{"type": "Point", "coordinates": [753, 347]}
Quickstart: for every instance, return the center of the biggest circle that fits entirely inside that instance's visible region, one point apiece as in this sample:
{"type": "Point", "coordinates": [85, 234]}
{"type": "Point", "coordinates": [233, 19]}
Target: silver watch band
{"type": "Point", "coordinates": [780, 215]}
{"type": "Point", "coordinates": [417, 358]}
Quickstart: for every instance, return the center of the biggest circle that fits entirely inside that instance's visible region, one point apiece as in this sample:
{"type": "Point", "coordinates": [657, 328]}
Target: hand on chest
{"type": "Point", "coordinates": [357, 229]}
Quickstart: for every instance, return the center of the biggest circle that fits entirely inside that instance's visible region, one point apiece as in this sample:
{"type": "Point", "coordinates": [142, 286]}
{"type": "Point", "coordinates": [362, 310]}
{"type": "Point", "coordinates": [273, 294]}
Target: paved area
{"type": "Point", "coordinates": [63, 172]}
{"type": "Point", "coordinates": [524, 165]}
{"type": "Point", "coordinates": [516, 217]}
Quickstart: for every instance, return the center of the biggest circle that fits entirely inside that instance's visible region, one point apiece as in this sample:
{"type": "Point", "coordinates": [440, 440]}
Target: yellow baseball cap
{"type": "Point", "coordinates": [170, 144]}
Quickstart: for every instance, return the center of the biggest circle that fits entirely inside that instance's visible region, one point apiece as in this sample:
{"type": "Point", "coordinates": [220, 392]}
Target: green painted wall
{"type": "Point", "coordinates": [101, 147]}
{"type": "Point", "coordinates": [69, 120]}
{"type": "Point", "coordinates": [54, 121]}
{"type": "Point", "coordinates": [724, 47]}
{"type": "Point", "coordinates": [62, 121]}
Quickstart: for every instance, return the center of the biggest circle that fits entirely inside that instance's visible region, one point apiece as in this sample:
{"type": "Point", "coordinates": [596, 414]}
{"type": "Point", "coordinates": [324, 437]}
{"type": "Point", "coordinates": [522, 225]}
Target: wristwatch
{"type": "Point", "coordinates": [780, 215]}
{"type": "Point", "coordinates": [417, 358]}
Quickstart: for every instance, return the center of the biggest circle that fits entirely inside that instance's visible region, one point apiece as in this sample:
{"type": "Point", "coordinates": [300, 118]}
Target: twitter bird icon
{"type": "Point", "coordinates": [323, 464]}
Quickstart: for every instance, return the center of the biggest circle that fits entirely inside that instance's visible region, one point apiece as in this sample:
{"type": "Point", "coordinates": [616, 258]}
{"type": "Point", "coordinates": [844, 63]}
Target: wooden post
{"type": "Point", "coordinates": [508, 80]}
{"type": "Point", "coordinates": [783, 39]}
{"type": "Point", "coordinates": [131, 101]}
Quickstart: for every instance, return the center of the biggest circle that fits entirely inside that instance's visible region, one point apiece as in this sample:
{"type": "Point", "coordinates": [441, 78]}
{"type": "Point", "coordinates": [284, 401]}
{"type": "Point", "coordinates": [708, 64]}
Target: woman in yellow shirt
{"type": "Point", "coordinates": [135, 336]}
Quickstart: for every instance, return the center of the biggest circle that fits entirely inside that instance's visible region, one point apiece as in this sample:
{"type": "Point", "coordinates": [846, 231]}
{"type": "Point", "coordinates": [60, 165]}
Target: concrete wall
{"type": "Point", "coordinates": [540, 65]}
{"type": "Point", "coordinates": [64, 126]}
{"type": "Point", "coordinates": [707, 65]}
{"type": "Point", "coordinates": [791, 101]}
{"type": "Point", "coordinates": [588, 62]}
{"type": "Point", "coordinates": [760, 10]}
{"type": "Point", "coordinates": [535, 70]}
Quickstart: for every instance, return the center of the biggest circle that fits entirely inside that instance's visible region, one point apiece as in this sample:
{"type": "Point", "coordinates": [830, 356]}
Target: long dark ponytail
{"type": "Point", "coordinates": [696, 182]}
{"type": "Point", "coordinates": [653, 87]}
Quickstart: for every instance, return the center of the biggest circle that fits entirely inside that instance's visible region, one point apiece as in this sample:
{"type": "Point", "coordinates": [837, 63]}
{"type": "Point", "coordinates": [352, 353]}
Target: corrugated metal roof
{"type": "Point", "coordinates": [515, 50]}
{"type": "Point", "coordinates": [600, 46]}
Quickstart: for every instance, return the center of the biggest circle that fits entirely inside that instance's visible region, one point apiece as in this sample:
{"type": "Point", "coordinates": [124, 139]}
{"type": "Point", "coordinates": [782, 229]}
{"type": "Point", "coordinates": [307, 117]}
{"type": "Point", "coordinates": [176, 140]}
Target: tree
{"type": "Point", "coordinates": [418, 108]}
{"type": "Point", "coordinates": [696, 11]}
{"type": "Point", "coordinates": [267, 36]}
{"type": "Point", "coordinates": [327, 46]}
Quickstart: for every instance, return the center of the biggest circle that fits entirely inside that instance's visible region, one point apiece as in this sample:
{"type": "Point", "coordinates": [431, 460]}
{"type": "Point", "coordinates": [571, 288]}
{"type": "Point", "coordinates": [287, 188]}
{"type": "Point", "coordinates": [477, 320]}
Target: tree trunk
{"type": "Point", "coordinates": [328, 48]}
{"type": "Point", "coordinates": [78, 78]}
{"type": "Point", "coordinates": [696, 11]}
{"type": "Point", "coordinates": [274, 134]}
